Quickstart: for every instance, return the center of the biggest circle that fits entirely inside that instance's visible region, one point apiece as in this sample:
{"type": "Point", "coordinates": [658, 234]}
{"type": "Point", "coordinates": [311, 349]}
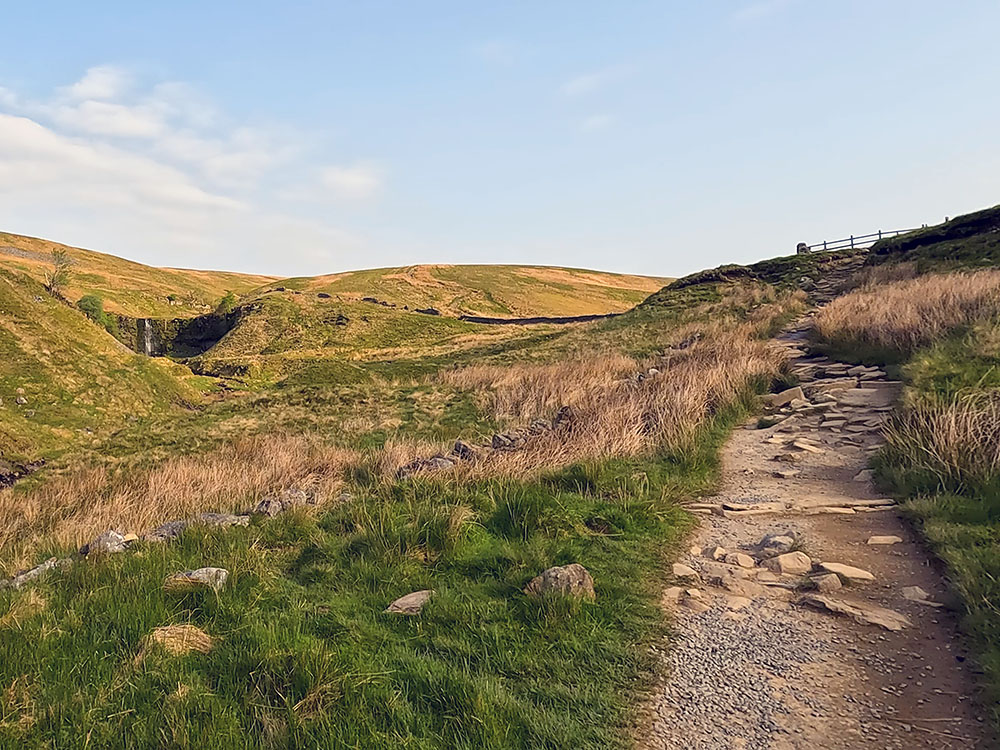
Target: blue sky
{"type": "Point", "coordinates": [644, 137]}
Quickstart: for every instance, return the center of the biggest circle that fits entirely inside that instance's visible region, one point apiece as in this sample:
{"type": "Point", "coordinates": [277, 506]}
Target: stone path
{"type": "Point", "coordinates": [772, 649]}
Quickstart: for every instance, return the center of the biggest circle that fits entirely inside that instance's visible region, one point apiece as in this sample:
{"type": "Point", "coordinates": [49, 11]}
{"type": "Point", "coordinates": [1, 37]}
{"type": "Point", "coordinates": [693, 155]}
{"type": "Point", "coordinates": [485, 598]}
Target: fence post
{"type": "Point", "coordinates": [824, 244]}
{"type": "Point", "coordinates": [852, 240]}
{"type": "Point", "coordinates": [880, 234]}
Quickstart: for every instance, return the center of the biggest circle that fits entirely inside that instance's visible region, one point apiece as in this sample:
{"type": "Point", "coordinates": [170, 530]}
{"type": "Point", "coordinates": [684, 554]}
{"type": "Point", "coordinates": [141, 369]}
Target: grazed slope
{"type": "Point", "coordinates": [76, 381]}
{"type": "Point", "coordinates": [126, 286]}
{"type": "Point", "coordinates": [490, 290]}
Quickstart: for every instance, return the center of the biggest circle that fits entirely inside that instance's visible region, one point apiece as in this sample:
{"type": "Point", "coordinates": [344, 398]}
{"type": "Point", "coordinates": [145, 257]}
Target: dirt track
{"type": "Point", "coordinates": [753, 664]}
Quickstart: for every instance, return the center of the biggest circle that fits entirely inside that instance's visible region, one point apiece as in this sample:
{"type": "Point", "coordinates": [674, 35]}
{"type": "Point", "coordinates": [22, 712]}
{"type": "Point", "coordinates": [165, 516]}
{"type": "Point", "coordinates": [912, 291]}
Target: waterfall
{"type": "Point", "coordinates": [145, 331]}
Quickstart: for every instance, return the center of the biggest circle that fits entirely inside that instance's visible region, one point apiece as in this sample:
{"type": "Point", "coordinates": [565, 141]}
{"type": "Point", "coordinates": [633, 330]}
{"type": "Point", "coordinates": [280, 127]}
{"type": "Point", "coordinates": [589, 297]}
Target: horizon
{"type": "Point", "coordinates": [643, 139]}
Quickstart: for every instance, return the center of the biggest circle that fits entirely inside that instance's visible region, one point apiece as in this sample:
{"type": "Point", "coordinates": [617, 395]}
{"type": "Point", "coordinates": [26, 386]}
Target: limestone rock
{"type": "Point", "coordinates": [865, 475]}
{"type": "Point", "coordinates": [861, 612]}
{"type": "Point", "coordinates": [411, 604]}
{"type": "Point", "coordinates": [570, 580]}
{"type": "Point", "coordinates": [107, 543]}
{"type": "Point", "coordinates": [790, 563]}
{"type": "Point", "coordinates": [683, 571]}
{"type": "Point", "coordinates": [25, 577]}
{"type": "Point", "coordinates": [195, 580]}
{"type": "Point", "coordinates": [888, 539]}
{"type": "Point", "coordinates": [827, 582]}
{"type": "Point", "coordinates": [273, 504]}
{"type": "Point", "coordinates": [741, 559]}
{"type": "Point", "coordinates": [848, 572]}
{"type": "Point", "coordinates": [173, 529]}
{"type": "Point", "coordinates": [773, 545]}
{"type": "Point", "coordinates": [718, 553]}
{"type": "Point", "coordinates": [785, 397]}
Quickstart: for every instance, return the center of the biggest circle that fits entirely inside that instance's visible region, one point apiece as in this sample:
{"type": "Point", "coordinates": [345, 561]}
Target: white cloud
{"type": "Point", "coordinates": [100, 82]}
{"type": "Point", "coordinates": [159, 174]}
{"type": "Point", "coordinates": [357, 182]}
{"type": "Point", "coordinates": [593, 123]}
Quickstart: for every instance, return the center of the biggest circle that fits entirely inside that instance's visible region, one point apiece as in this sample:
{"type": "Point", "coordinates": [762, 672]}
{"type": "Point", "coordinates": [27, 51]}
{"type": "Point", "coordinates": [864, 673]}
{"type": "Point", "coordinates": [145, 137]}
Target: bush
{"type": "Point", "coordinates": [93, 307]}
{"type": "Point", "coordinates": [226, 304]}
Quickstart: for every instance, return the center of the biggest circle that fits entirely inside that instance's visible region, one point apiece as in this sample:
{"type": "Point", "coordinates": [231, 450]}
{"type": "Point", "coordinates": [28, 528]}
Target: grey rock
{"type": "Point", "coordinates": [34, 573]}
{"type": "Point", "coordinates": [273, 504]}
{"type": "Point", "coordinates": [790, 563]}
{"type": "Point", "coordinates": [411, 604]}
{"type": "Point", "coordinates": [108, 543]}
{"type": "Point", "coordinates": [194, 580]}
{"type": "Point", "coordinates": [173, 529]}
{"type": "Point", "coordinates": [569, 580]}
{"type": "Point", "coordinates": [861, 612]}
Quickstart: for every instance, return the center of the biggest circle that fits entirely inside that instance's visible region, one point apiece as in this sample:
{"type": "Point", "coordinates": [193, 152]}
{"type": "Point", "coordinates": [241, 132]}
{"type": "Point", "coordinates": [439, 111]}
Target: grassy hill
{"type": "Point", "coordinates": [968, 241]}
{"type": "Point", "coordinates": [488, 290]}
{"type": "Point", "coordinates": [76, 382]}
{"type": "Point", "coordinates": [127, 287]}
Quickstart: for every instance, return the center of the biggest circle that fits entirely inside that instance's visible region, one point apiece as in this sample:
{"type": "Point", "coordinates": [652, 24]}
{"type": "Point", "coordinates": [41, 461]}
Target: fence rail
{"type": "Point", "coordinates": [856, 241]}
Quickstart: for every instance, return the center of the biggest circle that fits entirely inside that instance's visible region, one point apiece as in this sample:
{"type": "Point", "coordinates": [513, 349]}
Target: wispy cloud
{"type": "Point", "coordinates": [595, 123]}
{"type": "Point", "coordinates": [760, 9]}
{"type": "Point", "coordinates": [358, 181]}
{"type": "Point", "coordinates": [161, 168]}
{"type": "Point", "coordinates": [593, 81]}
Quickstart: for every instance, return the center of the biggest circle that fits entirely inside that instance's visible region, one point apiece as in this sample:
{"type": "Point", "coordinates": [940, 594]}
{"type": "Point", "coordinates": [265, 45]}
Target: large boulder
{"type": "Point", "coordinates": [569, 580]}
{"type": "Point", "coordinates": [108, 543]}
{"type": "Point", "coordinates": [790, 563]}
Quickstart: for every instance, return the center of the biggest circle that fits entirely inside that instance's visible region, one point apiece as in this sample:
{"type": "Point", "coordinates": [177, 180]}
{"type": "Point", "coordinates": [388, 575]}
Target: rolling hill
{"type": "Point", "coordinates": [127, 287]}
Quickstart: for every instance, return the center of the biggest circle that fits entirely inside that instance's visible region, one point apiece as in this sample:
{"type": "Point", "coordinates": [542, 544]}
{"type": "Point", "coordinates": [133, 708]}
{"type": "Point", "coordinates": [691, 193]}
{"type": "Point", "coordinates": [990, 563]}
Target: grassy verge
{"type": "Point", "coordinates": [943, 447]}
{"type": "Point", "coordinates": [304, 656]}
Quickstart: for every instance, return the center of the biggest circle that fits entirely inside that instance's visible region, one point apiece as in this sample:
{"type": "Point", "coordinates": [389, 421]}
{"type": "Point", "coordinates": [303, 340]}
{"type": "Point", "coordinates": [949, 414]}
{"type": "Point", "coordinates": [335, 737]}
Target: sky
{"type": "Point", "coordinates": [659, 138]}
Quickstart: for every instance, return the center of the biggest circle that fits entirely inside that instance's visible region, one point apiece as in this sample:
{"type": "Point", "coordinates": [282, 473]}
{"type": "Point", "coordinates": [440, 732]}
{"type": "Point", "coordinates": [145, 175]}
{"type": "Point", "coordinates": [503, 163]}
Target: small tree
{"type": "Point", "coordinates": [57, 279]}
{"type": "Point", "coordinates": [227, 303]}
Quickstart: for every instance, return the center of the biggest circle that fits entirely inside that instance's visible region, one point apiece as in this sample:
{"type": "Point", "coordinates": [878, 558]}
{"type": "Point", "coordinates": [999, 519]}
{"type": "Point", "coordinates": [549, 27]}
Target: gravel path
{"type": "Point", "coordinates": [751, 666]}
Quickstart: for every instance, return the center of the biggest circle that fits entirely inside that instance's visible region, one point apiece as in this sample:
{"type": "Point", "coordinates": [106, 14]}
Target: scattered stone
{"type": "Point", "coordinates": [735, 602]}
{"type": "Point", "coordinates": [866, 475]}
{"type": "Point", "coordinates": [683, 571]}
{"type": "Point", "coordinates": [785, 397]}
{"type": "Point", "coordinates": [805, 445]}
{"type": "Point", "coordinates": [34, 573]}
{"type": "Point", "coordinates": [786, 473]}
{"type": "Point", "coordinates": [173, 529]}
{"type": "Point", "coordinates": [672, 594]}
{"type": "Point", "coordinates": [827, 583]}
{"type": "Point", "coordinates": [790, 563]}
{"type": "Point", "coordinates": [695, 551]}
{"type": "Point", "coordinates": [740, 559]}
{"type": "Point", "coordinates": [463, 451]}
{"type": "Point", "coordinates": [107, 543]}
{"type": "Point", "coordinates": [196, 580]}
{"type": "Point", "coordinates": [773, 545]}
{"type": "Point", "coordinates": [847, 572]}
{"type": "Point", "coordinates": [861, 612]}
{"type": "Point", "coordinates": [889, 539]}
{"type": "Point", "coordinates": [570, 580]}
{"type": "Point", "coordinates": [411, 604]}
{"type": "Point", "coordinates": [272, 505]}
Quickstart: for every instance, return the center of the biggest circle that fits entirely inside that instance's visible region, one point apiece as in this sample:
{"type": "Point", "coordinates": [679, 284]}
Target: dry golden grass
{"type": "Point", "coordinates": [74, 508]}
{"type": "Point", "coordinates": [955, 440]}
{"type": "Point", "coordinates": [904, 315]}
{"type": "Point", "coordinates": [177, 640]}
{"type": "Point", "coordinates": [613, 413]}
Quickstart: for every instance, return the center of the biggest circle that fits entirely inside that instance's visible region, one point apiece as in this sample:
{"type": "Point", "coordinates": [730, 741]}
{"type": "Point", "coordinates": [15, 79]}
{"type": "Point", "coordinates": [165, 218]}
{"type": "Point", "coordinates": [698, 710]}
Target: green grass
{"type": "Point", "coordinates": [969, 241]}
{"type": "Point", "coordinates": [960, 521]}
{"type": "Point", "coordinates": [306, 658]}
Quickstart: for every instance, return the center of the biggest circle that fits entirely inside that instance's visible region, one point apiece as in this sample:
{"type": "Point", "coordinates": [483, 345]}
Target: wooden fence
{"type": "Point", "coordinates": [856, 241]}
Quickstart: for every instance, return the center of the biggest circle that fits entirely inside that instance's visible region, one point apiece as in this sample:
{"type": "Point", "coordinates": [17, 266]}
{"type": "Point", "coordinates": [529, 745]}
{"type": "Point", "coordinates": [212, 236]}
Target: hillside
{"type": "Point", "coordinates": [488, 290]}
{"type": "Point", "coordinates": [64, 381]}
{"type": "Point", "coordinates": [968, 241]}
{"type": "Point", "coordinates": [127, 287]}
